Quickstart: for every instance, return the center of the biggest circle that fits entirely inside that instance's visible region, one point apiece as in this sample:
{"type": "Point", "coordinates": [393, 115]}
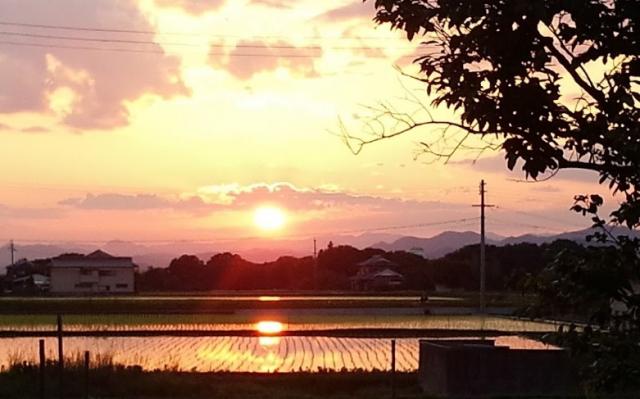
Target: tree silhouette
{"type": "Point", "coordinates": [553, 84]}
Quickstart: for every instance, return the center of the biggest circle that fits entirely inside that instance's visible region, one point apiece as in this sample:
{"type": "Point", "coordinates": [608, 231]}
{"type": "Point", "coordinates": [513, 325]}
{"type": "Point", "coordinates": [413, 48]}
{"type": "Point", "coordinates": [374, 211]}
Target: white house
{"type": "Point", "coordinates": [95, 273]}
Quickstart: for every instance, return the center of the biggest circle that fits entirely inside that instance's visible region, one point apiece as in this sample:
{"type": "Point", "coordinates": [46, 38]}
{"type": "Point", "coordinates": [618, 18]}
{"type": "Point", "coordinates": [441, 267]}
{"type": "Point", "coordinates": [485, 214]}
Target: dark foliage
{"type": "Point", "coordinates": [108, 380]}
{"type": "Point", "coordinates": [506, 266]}
{"type": "Point", "coordinates": [506, 67]}
{"type": "Point", "coordinates": [598, 285]}
{"type": "Point", "coordinates": [505, 64]}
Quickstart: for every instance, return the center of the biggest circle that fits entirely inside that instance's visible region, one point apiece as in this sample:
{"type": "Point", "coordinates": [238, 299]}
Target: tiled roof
{"type": "Point", "coordinates": [377, 260]}
{"type": "Point", "coordinates": [97, 258]}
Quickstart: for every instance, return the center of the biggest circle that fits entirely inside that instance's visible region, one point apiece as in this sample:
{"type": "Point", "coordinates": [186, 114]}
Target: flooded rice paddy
{"type": "Point", "coordinates": [236, 354]}
{"type": "Point", "coordinates": [229, 351]}
{"type": "Point", "coordinates": [238, 322]}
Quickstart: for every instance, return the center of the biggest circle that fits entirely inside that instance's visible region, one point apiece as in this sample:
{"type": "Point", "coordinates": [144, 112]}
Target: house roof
{"type": "Point", "coordinates": [378, 261]}
{"type": "Point", "coordinates": [97, 258]}
{"type": "Point", "coordinates": [387, 273]}
{"type": "Point", "coordinates": [384, 273]}
{"type": "Point", "coordinates": [99, 254]}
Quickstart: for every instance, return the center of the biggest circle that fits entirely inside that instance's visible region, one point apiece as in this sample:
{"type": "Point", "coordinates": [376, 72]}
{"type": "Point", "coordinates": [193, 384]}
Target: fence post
{"type": "Point", "coordinates": [86, 374]}
{"type": "Point", "coordinates": [42, 369]}
{"type": "Point", "coordinates": [393, 369]}
{"type": "Point", "coordinates": [60, 359]}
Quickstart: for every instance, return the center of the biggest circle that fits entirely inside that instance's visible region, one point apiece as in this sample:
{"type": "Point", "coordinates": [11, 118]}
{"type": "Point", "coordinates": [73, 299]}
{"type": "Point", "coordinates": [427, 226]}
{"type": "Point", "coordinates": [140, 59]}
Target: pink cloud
{"type": "Point", "coordinates": [117, 201]}
{"type": "Point", "coordinates": [248, 197]}
{"type": "Point", "coordinates": [274, 3]}
{"type": "Point", "coordinates": [196, 7]}
{"type": "Point", "coordinates": [7, 212]}
{"type": "Point", "coordinates": [354, 10]}
{"type": "Point", "coordinates": [35, 129]}
{"type": "Point", "coordinates": [252, 57]}
{"type": "Point", "coordinates": [102, 81]}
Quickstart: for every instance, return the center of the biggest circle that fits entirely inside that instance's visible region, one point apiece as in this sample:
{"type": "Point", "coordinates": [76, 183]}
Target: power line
{"type": "Point", "coordinates": [161, 52]}
{"type": "Point", "coordinates": [149, 51]}
{"type": "Point", "coordinates": [463, 222]}
{"type": "Point", "coordinates": [408, 226]}
{"type": "Point", "coordinates": [533, 215]}
{"type": "Point", "coordinates": [192, 34]}
{"type": "Point", "coordinates": [185, 44]}
{"type": "Point", "coordinates": [532, 226]}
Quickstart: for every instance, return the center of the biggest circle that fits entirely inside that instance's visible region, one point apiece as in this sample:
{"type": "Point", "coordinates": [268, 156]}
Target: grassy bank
{"type": "Point", "coordinates": [107, 381]}
{"type": "Point", "coordinates": [220, 304]}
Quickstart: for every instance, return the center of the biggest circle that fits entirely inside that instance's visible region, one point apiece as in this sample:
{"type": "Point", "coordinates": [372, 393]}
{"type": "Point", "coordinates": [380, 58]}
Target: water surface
{"type": "Point", "coordinates": [237, 354]}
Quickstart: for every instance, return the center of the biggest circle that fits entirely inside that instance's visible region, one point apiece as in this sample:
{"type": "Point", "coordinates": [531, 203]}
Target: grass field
{"type": "Point", "coordinates": [188, 303]}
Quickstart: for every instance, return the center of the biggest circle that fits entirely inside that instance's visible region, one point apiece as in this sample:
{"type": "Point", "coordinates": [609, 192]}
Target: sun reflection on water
{"type": "Point", "coordinates": [268, 341]}
{"type": "Point", "coordinates": [269, 327]}
{"type": "Point", "coordinates": [269, 298]}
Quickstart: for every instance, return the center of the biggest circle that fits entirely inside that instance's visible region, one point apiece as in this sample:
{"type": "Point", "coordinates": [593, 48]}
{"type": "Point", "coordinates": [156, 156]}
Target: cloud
{"type": "Point", "coordinates": [118, 202]}
{"type": "Point", "coordinates": [35, 129]}
{"type": "Point", "coordinates": [351, 11]}
{"type": "Point", "coordinates": [296, 198]}
{"type": "Point", "coordinates": [30, 213]}
{"type": "Point", "coordinates": [547, 189]}
{"type": "Point", "coordinates": [234, 197]}
{"type": "Point", "coordinates": [274, 3]}
{"type": "Point", "coordinates": [82, 88]}
{"type": "Point", "coordinates": [252, 57]}
{"type": "Point", "coordinates": [497, 164]}
{"type": "Point", "coordinates": [196, 7]}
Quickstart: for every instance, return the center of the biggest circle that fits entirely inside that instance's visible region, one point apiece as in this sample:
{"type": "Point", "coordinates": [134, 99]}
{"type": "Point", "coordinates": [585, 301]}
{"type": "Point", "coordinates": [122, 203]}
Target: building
{"type": "Point", "coordinates": [96, 273]}
{"type": "Point", "coordinates": [376, 273]}
{"type": "Point", "coordinates": [417, 251]}
{"type": "Point", "coordinates": [27, 277]}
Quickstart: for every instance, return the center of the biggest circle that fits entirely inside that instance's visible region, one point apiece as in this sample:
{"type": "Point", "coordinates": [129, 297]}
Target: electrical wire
{"type": "Point", "coordinates": [192, 34]}
{"type": "Point", "coordinates": [161, 52]}
{"type": "Point", "coordinates": [300, 236]}
{"type": "Point", "coordinates": [198, 45]}
{"type": "Point", "coordinates": [533, 215]}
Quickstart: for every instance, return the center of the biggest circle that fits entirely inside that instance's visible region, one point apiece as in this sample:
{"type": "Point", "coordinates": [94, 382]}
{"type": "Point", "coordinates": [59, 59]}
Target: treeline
{"type": "Point", "coordinates": [506, 268]}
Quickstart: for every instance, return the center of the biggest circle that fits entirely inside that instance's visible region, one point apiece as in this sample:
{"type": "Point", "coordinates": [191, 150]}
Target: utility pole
{"type": "Point", "coordinates": [12, 249]}
{"type": "Point", "coordinates": [483, 272]}
{"type": "Point", "coordinates": [315, 249]}
{"type": "Point", "coordinates": [315, 265]}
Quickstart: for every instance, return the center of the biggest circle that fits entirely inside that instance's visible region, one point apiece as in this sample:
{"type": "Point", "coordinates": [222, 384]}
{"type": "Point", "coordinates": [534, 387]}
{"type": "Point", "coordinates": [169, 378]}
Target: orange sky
{"type": "Point", "coordinates": [233, 109]}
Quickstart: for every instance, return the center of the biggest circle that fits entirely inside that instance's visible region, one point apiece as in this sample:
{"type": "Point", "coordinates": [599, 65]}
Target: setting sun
{"type": "Point", "coordinates": [269, 218]}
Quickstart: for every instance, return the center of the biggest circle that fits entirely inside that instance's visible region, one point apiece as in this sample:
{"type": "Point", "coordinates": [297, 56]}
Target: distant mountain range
{"type": "Point", "coordinates": [449, 241]}
{"type": "Point", "coordinates": [160, 255]}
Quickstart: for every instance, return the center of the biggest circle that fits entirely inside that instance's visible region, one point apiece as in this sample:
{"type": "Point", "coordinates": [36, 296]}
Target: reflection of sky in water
{"type": "Point", "coordinates": [268, 341]}
{"type": "Point", "coordinates": [238, 354]}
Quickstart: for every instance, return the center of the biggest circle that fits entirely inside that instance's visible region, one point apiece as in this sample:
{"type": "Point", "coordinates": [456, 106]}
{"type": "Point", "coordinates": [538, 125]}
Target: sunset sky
{"type": "Point", "coordinates": [235, 108]}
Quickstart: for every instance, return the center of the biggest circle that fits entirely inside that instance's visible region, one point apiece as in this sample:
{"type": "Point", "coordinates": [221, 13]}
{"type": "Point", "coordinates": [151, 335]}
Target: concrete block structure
{"type": "Point", "coordinates": [479, 368]}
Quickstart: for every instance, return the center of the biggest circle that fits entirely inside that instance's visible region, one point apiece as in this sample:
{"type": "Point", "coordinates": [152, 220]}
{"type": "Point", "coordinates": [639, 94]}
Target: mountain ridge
{"type": "Point", "coordinates": [433, 247]}
{"type": "Point", "coordinates": [160, 255]}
